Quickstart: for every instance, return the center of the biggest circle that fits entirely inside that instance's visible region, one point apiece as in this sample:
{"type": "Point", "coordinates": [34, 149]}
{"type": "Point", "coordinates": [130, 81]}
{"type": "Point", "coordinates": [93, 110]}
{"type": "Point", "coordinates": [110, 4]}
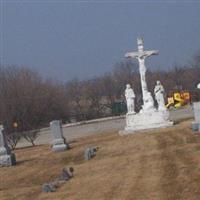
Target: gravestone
{"type": "Point", "coordinates": [196, 108]}
{"type": "Point", "coordinates": [48, 187]}
{"type": "Point", "coordinates": [90, 152]}
{"type": "Point", "coordinates": [196, 123]}
{"type": "Point", "coordinates": [59, 142]}
{"type": "Point", "coordinates": [65, 175]}
{"type": "Point", "coordinates": [7, 158]}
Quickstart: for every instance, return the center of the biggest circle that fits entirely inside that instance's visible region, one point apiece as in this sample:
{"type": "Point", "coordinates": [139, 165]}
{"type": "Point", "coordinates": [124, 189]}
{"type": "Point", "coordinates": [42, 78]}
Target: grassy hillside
{"type": "Point", "coordinates": [161, 164]}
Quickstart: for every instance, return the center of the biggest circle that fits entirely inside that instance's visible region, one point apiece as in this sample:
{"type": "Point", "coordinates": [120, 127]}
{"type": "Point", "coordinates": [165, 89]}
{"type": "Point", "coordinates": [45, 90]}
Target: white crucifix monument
{"type": "Point", "coordinates": [148, 117]}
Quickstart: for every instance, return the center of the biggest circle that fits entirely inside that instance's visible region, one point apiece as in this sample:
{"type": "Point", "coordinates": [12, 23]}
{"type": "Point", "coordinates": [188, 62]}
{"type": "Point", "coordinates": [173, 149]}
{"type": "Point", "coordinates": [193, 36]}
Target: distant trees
{"type": "Point", "coordinates": [31, 102]}
{"type": "Point", "coordinates": [196, 59]}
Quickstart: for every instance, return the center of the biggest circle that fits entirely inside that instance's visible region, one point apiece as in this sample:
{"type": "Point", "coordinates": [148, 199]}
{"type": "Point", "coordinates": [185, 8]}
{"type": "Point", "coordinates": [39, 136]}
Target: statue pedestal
{"type": "Point", "coordinates": [146, 120]}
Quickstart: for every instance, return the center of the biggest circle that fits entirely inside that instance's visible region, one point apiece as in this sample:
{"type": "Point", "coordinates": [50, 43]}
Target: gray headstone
{"type": "Point", "coordinates": [59, 142]}
{"type": "Point", "coordinates": [48, 187]}
{"type": "Point", "coordinates": [6, 157]}
{"type": "Point", "coordinates": [90, 152]}
{"type": "Point", "coordinates": [66, 174]}
{"type": "Point", "coordinates": [195, 126]}
{"type": "Point", "coordinates": [196, 123]}
{"type": "Point", "coordinates": [196, 106]}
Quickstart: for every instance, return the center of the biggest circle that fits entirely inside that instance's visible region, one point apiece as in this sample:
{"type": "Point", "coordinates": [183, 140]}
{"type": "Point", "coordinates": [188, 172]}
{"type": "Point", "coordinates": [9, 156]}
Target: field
{"type": "Point", "coordinates": [162, 164]}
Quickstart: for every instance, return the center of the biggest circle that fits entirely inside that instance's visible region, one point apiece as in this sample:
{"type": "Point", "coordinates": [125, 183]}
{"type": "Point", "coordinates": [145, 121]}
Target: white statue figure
{"type": "Point", "coordinates": [130, 99]}
{"type": "Point", "coordinates": [141, 55]}
{"type": "Point", "coordinates": [148, 102]}
{"type": "Point", "coordinates": [159, 95]}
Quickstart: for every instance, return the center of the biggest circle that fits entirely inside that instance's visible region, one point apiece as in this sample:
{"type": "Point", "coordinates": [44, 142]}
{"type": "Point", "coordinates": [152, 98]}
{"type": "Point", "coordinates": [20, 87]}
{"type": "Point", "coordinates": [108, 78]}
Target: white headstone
{"type": "Point", "coordinates": [196, 122]}
{"type": "Point", "coordinates": [59, 142]}
{"type": "Point", "coordinates": [6, 157]}
{"type": "Point", "coordinates": [196, 108]}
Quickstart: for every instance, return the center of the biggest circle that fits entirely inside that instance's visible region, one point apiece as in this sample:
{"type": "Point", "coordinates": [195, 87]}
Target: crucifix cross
{"type": "Point", "coordinates": [141, 55]}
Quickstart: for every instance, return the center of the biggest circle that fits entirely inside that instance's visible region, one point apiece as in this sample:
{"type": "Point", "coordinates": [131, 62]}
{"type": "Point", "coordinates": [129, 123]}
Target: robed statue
{"type": "Point", "coordinates": [159, 96]}
{"type": "Point", "coordinates": [130, 99]}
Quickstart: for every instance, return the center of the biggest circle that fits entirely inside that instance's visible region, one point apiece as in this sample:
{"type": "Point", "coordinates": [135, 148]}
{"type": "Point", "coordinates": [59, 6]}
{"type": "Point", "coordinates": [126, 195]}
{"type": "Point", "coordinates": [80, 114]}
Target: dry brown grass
{"type": "Point", "coordinates": [159, 165]}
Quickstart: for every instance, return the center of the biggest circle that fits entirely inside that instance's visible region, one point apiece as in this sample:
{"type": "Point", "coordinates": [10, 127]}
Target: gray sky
{"type": "Point", "coordinates": [67, 39]}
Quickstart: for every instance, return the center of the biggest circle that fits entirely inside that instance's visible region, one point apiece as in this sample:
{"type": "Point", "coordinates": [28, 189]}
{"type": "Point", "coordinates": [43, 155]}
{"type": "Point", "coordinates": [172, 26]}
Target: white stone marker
{"type": "Point", "coordinates": [148, 117]}
{"type": "Point", "coordinates": [196, 123]}
{"type": "Point", "coordinates": [196, 108]}
{"type": "Point", "coordinates": [6, 157]}
{"type": "Point", "coordinates": [59, 142]}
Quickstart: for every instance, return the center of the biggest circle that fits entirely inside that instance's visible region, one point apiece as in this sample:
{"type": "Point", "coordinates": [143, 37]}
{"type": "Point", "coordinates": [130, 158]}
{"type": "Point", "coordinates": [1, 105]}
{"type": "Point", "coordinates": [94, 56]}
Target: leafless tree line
{"type": "Point", "coordinates": [32, 102]}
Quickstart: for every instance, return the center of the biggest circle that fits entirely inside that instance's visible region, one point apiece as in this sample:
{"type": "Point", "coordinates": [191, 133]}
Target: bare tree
{"type": "Point", "coordinates": [31, 136]}
{"type": "Point", "coordinates": [32, 102]}
{"type": "Point", "coordinates": [29, 101]}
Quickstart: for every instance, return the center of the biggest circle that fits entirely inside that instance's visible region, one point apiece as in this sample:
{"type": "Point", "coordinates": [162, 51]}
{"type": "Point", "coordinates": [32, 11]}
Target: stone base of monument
{"type": "Point", "coordinates": [146, 120]}
{"type": "Point", "coordinates": [7, 160]}
{"type": "Point", "coordinates": [59, 145]}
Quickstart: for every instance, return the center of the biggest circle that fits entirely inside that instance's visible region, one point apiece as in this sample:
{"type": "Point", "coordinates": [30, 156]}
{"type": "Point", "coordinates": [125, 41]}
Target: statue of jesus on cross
{"type": "Point", "coordinates": [141, 55]}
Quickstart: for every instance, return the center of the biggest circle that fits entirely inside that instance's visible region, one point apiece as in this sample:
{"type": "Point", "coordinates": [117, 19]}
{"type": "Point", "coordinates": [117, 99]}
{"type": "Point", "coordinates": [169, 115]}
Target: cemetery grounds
{"type": "Point", "coordinates": [162, 164]}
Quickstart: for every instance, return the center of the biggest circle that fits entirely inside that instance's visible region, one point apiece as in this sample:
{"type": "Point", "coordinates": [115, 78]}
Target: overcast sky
{"type": "Point", "coordinates": [68, 39]}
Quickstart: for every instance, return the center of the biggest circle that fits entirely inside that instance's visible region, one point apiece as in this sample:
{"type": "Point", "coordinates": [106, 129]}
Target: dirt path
{"type": "Point", "coordinates": [162, 164]}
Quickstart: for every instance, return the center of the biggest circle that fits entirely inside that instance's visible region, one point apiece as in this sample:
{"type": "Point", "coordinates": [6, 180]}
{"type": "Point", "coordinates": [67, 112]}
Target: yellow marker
{"type": "Point", "coordinates": [177, 96]}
